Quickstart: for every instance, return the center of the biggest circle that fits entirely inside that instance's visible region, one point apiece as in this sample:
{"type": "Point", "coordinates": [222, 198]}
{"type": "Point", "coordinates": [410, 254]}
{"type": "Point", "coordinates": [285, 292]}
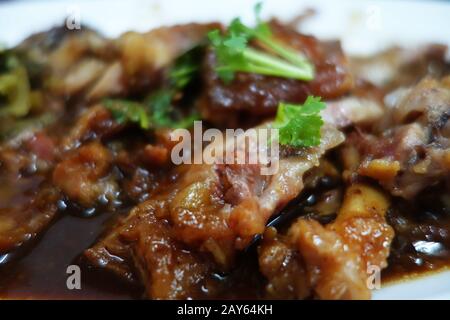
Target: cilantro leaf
{"type": "Point", "coordinates": [234, 54]}
{"type": "Point", "coordinates": [157, 110]}
{"type": "Point", "coordinates": [128, 111]}
{"type": "Point", "coordinates": [299, 125]}
{"type": "Point", "coordinates": [163, 114]}
{"type": "Point", "coordinates": [14, 86]}
{"type": "Point", "coordinates": [185, 68]}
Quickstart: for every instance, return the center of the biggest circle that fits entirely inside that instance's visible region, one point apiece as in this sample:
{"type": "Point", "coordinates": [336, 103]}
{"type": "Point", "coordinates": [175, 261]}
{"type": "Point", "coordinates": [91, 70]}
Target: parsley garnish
{"type": "Point", "coordinates": [157, 110]}
{"type": "Point", "coordinates": [128, 111]}
{"type": "Point", "coordinates": [14, 86]}
{"type": "Point", "coordinates": [164, 114]}
{"type": "Point", "coordinates": [234, 54]}
{"type": "Point", "coordinates": [299, 125]}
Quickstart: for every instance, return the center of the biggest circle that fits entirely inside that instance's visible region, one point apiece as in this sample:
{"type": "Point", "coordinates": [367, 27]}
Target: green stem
{"type": "Point", "coordinates": [293, 56]}
{"type": "Point", "coordinates": [270, 65]}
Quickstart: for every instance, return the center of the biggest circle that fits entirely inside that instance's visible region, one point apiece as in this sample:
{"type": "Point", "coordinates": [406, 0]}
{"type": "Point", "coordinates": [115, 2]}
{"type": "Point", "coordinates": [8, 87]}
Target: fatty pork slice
{"type": "Point", "coordinates": [209, 211]}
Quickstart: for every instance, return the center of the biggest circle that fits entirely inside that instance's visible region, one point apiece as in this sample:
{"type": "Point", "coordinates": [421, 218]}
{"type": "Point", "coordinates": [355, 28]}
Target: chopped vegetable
{"type": "Point", "coordinates": [186, 68]}
{"type": "Point", "coordinates": [158, 111]}
{"type": "Point", "coordinates": [128, 111]}
{"type": "Point", "coordinates": [299, 125]}
{"type": "Point", "coordinates": [163, 112]}
{"type": "Point", "coordinates": [11, 128]}
{"type": "Point", "coordinates": [14, 87]}
{"type": "Point", "coordinates": [234, 54]}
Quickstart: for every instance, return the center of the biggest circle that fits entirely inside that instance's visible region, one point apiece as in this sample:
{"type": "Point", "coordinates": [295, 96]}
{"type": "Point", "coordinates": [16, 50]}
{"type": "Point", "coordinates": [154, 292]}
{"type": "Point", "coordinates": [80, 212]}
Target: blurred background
{"type": "Point", "coordinates": [364, 26]}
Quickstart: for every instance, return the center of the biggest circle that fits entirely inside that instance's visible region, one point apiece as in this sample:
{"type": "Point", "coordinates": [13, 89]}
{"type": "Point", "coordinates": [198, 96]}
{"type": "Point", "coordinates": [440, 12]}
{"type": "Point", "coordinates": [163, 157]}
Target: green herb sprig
{"type": "Point", "coordinates": [235, 55]}
{"type": "Point", "coordinates": [300, 125]}
{"type": "Point", "coordinates": [157, 110]}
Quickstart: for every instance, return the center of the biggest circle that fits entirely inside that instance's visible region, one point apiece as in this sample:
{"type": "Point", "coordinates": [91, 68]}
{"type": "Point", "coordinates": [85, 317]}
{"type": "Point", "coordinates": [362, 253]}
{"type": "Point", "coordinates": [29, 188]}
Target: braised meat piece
{"type": "Point", "coordinates": [166, 266]}
{"type": "Point", "coordinates": [28, 203]}
{"type": "Point", "coordinates": [83, 175]}
{"type": "Point", "coordinates": [23, 222]}
{"type": "Point", "coordinates": [256, 96]}
{"type": "Point", "coordinates": [332, 261]}
{"type": "Point", "coordinates": [213, 210]}
{"type": "Point", "coordinates": [90, 149]}
{"type": "Point", "coordinates": [412, 148]}
{"type": "Point", "coordinates": [399, 67]}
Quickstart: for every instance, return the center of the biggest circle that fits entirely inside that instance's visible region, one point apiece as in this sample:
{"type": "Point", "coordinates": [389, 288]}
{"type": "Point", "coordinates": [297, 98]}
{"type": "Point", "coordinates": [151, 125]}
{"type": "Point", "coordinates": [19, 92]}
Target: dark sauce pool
{"type": "Point", "coordinates": [422, 235]}
{"type": "Point", "coordinates": [41, 272]}
{"type": "Point", "coordinates": [421, 245]}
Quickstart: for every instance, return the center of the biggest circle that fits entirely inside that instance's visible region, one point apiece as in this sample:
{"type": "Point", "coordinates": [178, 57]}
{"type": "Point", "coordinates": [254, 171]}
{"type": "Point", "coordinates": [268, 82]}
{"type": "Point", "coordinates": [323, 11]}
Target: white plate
{"type": "Point", "coordinates": [364, 27]}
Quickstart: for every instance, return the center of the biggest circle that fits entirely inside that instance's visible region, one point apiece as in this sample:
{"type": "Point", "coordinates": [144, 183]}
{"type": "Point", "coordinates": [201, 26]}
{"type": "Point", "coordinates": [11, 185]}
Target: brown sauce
{"type": "Point", "coordinates": [421, 246]}
{"type": "Point", "coordinates": [422, 236]}
{"type": "Point", "coordinates": [41, 272]}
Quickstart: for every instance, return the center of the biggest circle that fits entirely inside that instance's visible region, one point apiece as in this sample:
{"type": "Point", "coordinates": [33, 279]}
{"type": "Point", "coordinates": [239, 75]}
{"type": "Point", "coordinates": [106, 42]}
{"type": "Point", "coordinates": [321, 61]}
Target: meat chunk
{"type": "Point", "coordinates": [23, 220]}
{"type": "Point", "coordinates": [95, 122]}
{"type": "Point", "coordinates": [69, 62]}
{"type": "Point", "coordinates": [85, 64]}
{"type": "Point", "coordinates": [167, 268]}
{"type": "Point", "coordinates": [28, 203]}
{"type": "Point", "coordinates": [352, 111]}
{"type": "Point", "coordinates": [110, 83]}
{"type": "Point", "coordinates": [143, 55]}
{"type": "Point", "coordinates": [331, 261]}
{"type": "Point", "coordinates": [83, 175]}
{"type": "Point", "coordinates": [397, 67]}
{"type": "Point", "coordinates": [282, 265]}
{"type": "Point", "coordinates": [212, 210]}
{"type": "Point", "coordinates": [412, 148]}
{"type": "Point", "coordinates": [258, 95]}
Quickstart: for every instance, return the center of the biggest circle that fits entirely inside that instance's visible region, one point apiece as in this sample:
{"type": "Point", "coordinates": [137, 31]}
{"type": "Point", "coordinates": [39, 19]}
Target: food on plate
{"type": "Point", "coordinates": [88, 176]}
